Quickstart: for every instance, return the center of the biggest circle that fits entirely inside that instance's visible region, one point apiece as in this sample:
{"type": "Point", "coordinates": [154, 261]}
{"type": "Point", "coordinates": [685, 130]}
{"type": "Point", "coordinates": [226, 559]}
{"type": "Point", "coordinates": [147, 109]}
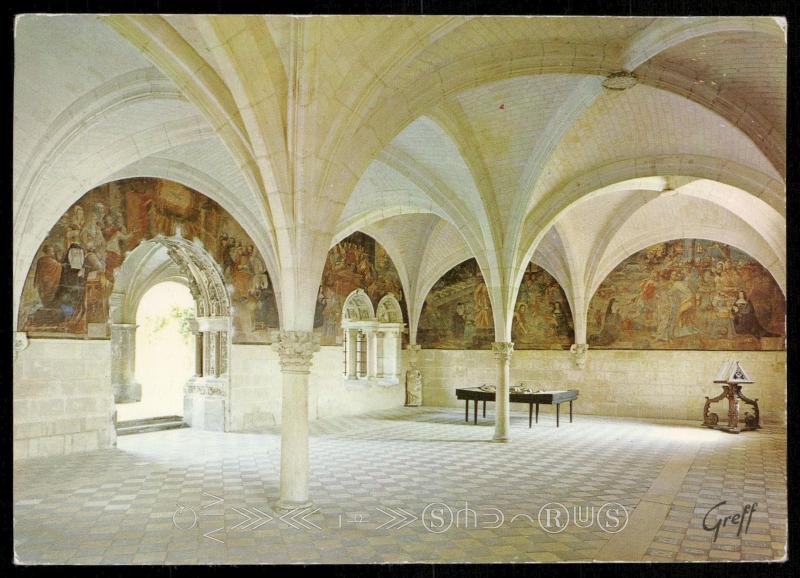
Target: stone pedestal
{"type": "Point", "coordinates": [296, 350]}
{"type": "Point", "coordinates": [123, 363]}
{"type": "Point", "coordinates": [502, 425]}
{"type": "Point", "coordinates": [204, 400]}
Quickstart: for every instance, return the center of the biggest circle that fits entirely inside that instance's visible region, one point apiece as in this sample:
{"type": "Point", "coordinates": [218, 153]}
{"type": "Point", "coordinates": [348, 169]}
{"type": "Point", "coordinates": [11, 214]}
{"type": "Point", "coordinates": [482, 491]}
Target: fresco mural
{"type": "Point", "coordinates": [358, 261]}
{"type": "Point", "coordinates": [688, 294]}
{"type": "Point", "coordinates": [67, 288]}
{"type": "Point", "coordinates": [457, 313]}
{"type": "Point", "coordinates": [542, 315]}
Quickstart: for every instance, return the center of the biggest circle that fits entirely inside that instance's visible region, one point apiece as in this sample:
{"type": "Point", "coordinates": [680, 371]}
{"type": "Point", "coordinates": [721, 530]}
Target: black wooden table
{"type": "Point", "coordinates": [476, 394]}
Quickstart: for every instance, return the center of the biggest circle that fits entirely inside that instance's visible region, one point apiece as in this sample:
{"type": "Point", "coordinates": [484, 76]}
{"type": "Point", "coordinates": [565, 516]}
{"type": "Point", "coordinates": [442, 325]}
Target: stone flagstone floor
{"type": "Point", "coordinates": [410, 485]}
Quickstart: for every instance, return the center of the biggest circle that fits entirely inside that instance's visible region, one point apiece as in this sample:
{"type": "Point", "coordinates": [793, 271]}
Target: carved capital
{"type": "Point", "coordinates": [296, 349]}
{"type": "Point", "coordinates": [579, 352]}
{"type": "Point", "coordinates": [20, 342]}
{"type": "Point", "coordinates": [503, 350]}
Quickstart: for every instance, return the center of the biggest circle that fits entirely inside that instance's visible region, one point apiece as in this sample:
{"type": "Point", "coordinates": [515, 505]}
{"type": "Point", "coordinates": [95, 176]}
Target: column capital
{"type": "Point", "coordinates": [579, 351]}
{"type": "Point", "coordinates": [295, 349]}
{"type": "Point", "coordinates": [503, 350]}
{"type": "Point", "coordinates": [20, 342]}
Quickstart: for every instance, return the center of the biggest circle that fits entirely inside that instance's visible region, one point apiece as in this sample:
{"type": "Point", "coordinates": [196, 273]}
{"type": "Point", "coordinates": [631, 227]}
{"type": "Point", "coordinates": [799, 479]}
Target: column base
{"type": "Point", "coordinates": [289, 505]}
{"type": "Point", "coordinates": [502, 440]}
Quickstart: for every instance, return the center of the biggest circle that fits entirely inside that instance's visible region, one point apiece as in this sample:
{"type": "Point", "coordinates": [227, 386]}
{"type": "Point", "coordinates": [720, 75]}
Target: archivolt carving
{"type": "Point", "coordinates": [204, 274]}
{"type": "Point", "coordinates": [389, 310]}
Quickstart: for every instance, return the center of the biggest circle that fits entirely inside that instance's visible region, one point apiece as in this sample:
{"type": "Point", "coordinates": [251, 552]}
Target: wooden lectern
{"type": "Point", "coordinates": [732, 376]}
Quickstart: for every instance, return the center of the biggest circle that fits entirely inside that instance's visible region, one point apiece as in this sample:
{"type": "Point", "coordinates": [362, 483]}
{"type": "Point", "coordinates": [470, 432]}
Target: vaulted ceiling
{"type": "Point", "coordinates": [570, 141]}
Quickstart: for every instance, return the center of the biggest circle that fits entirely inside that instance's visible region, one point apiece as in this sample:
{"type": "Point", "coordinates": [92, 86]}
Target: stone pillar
{"type": "Point", "coordinates": [206, 354]}
{"type": "Point", "coordinates": [296, 350]}
{"type": "Point", "coordinates": [391, 354]}
{"type": "Point", "coordinates": [502, 424]}
{"type": "Point", "coordinates": [217, 355]}
{"type": "Point", "coordinates": [380, 353]}
{"type": "Point", "coordinates": [212, 353]}
{"type": "Point", "coordinates": [123, 363]}
{"type": "Point", "coordinates": [352, 353]}
{"type": "Point", "coordinates": [223, 353]}
{"type": "Point", "coordinates": [372, 354]}
{"type": "Point", "coordinates": [198, 354]}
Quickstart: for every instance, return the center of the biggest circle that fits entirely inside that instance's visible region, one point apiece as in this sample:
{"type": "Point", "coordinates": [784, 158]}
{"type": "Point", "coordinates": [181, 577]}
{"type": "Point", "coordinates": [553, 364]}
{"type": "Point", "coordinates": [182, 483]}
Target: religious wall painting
{"type": "Point", "coordinates": [688, 294]}
{"type": "Point", "coordinates": [457, 313]}
{"type": "Point", "coordinates": [356, 262]}
{"type": "Point", "coordinates": [542, 315]}
{"type": "Point", "coordinates": [67, 288]}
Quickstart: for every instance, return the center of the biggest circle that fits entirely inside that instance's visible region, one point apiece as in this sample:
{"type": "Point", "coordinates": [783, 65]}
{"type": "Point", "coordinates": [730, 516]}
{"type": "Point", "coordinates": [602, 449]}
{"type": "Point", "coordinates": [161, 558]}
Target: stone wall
{"type": "Point", "coordinates": [63, 401]}
{"type": "Point", "coordinates": [645, 384]}
{"type": "Point", "coordinates": [256, 388]}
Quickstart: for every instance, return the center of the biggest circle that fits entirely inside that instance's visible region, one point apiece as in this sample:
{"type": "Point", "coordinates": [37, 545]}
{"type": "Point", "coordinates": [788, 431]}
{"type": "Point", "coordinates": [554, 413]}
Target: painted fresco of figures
{"type": "Point", "coordinates": [688, 294]}
{"type": "Point", "coordinates": [67, 288]}
{"type": "Point", "coordinates": [457, 313]}
{"type": "Point", "coordinates": [542, 316]}
{"type": "Point", "coordinates": [356, 262]}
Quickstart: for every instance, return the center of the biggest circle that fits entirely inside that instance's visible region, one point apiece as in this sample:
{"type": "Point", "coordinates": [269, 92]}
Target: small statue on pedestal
{"type": "Point", "coordinates": [732, 376]}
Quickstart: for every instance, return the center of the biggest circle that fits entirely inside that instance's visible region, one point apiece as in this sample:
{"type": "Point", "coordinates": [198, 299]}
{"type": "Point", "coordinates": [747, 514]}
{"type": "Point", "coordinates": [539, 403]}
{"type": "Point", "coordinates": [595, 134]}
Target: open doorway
{"type": "Point", "coordinates": [165, 352]}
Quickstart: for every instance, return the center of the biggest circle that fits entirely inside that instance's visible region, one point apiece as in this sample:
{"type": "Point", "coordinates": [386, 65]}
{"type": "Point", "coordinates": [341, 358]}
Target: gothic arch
{"type": "Point", "coordinates": [206, 394]}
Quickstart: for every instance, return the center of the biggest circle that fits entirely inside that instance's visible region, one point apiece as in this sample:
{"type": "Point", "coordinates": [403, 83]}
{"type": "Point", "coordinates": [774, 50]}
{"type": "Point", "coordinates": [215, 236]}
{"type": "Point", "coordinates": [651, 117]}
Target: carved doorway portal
{"type": "Point", "coordinates": [206, 399]}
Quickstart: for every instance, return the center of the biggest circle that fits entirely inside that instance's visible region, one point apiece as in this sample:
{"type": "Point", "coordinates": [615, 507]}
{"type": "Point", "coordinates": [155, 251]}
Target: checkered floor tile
{"type": "Point", "coordinates": [406, 485]}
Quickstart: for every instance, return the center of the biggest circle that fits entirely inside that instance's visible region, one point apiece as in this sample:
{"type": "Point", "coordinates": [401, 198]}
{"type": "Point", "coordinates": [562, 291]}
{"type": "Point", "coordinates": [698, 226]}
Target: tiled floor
{"type": "Point", "coordinates": [416, 485]}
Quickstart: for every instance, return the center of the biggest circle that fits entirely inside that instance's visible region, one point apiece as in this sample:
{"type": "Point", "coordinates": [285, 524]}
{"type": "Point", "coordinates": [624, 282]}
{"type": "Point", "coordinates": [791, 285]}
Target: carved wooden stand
{"type": "Point", "coordinates": [732, 391]}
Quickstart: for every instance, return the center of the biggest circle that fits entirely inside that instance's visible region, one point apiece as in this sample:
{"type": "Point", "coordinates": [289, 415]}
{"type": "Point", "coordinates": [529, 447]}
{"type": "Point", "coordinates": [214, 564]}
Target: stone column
{"type": "Point", "coordinates": [380, 354]}
{"type": "Point", "coordinates": [502, 424]}
{"type": "Point", "coordinates": [391, 356]}
{"type": "Point", "coordinates": [372, 354]}
{"type": "Point", "coordinates": [123, 363]}
{"type": "Point", "coordinates": [217, 355]}
{"type": "Point", "coordinates": [580, 348]}
{"type": "Point", "coordinates": [212, 353]}
{"type": "Point", "coordinates": [296, 350]}
{"type": "Point", "coordinates": [352, 353]}
{"type": "Point", "coordinates": [206, 353]}
{"type": "Point", "coordinates": [198, 354]}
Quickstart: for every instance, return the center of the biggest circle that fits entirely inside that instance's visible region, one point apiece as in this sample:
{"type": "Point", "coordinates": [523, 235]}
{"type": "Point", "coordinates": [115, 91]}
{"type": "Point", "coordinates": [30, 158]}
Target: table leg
{"type": "Point", "coordinates": [530, 415]}
{"type": "Point", "coordinates": [558, 406]}
{"type": "Point", "coordinates": [466, 410]}
{"type": "Point", "coordinates": [570, 411]}
{"type": "Point", "coordinates": [484, 408]}
{"type": "Point", "coordinates": [537, 413]}
{"type": "Point", "coordinates": [476, 412]}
